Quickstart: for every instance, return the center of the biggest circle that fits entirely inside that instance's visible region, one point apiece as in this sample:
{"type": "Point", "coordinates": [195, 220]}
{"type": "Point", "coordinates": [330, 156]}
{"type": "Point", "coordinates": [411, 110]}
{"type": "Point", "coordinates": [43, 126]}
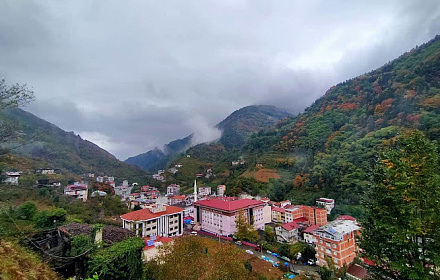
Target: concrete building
{"type": "Point", "coordinates": [218, 215]}
{"type": "Point", "coordinates": [308, 236]}
{"type": "Point", "coordinates": [78, 191]}
{"type": "Point", "coordinates": [173, 189]}
{"type": "Point", "coordinates": [123, 192]}
{"type": "Point", "coordinates": [204, 191]}
{"type": "Point", "coordinates": [314, 215]}
{"type": "Point", "coordinates": [287, 233]}
{"type": "Point", "coordinates": [11, 178]}
{"type": "Point", "coordinates": [327, 203]}
{"type": "Point", "coordinates": [337, 241]}
{"type": "Point", "coordinates": [152, 244]}
{"type": "Point", "coordinates": [175, 199]}
{"type": "Point", "coordinates": [155, 221]}
{"type": "Point", "coordinates": [221, 190]}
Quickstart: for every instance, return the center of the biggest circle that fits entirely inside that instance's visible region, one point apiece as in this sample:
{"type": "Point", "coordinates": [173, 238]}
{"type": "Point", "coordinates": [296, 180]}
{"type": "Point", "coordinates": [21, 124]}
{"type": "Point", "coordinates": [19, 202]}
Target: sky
{"type": "Point", "coordinates": [134, 75]}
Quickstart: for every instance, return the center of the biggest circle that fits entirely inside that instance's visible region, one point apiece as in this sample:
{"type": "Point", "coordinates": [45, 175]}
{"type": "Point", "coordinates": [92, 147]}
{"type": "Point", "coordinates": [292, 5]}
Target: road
{"type": "Point", "coordinates": [296, 267]}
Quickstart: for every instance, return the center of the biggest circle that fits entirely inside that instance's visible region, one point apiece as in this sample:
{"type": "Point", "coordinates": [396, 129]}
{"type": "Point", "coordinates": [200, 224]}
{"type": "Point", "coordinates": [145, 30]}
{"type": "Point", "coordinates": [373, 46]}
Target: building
{"type": "Point", "coordinates": [159, 220]}
{"type": "Point", "coordinates": [152, 244]}
{"type": "Point", "coordinates": [173, 189]}
{"type": "Point", "coordinates": [11, 178]}
{"type": "Point", "coordinates": [204, 191]}
{"type": "Point", "coordinates": [308, 236]}
{"type": "Point", "coordinates": [221, 190]}
{"type": "Point", "coordinates": [217, 215]}
{"type": "Point", "coordinates": [327, 203]}
{"type": "Point", "coordinates": [337, 241]}
{"type": "Point", "coordinates": [314, 215]}
{"type": "Point", "coordinates": [100, 179]}
{"type": "Point", "coordinates": [123, 192]}
{"type": "Point", "coordinates": [288, 232]}
{"type": "Point", "coordinates": [48, 171]}
{"type": "Point", "coordinates": [78, 191]}
{"type": "Point", "coordinates": [175, 199]}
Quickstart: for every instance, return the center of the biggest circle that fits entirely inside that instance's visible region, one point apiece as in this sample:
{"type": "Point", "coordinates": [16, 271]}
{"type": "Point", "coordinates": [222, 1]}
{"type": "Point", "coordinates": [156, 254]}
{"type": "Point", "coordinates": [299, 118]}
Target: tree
{"type": "Point", "coordinates": [27, 210]}
{"type": "Point", "coordinates": [11, 96]}
{"type": "Point", "coordinates": [243, 229]}
{"type": "Point", "coordinates": [401, 227]}
{"type": "Point", "coordinates": [269, 234]}
{"type": "Point", "coordinates": [52, 218]}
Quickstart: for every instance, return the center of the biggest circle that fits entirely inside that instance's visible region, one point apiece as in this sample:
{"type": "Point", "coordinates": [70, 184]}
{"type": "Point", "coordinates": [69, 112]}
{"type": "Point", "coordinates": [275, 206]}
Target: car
{"type": "Point", "coordinates": [311, 262]}
{"type": "Point", "coordinates": [249, 252]}
{"type": "Point", "coordinates": [192, 223]}
{"type": "Point", "coordinates": [239, 243]}
{"type": "Point", "coordinates": [258, 249]}
{"type": "Point", "coordinates": [194, 233]}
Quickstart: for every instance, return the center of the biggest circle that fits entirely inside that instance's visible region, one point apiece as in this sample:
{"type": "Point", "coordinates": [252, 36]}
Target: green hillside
{"type": "Point", "coordinates": [56, 148]}
{"type": "Point", "coordinates": [333, 143]}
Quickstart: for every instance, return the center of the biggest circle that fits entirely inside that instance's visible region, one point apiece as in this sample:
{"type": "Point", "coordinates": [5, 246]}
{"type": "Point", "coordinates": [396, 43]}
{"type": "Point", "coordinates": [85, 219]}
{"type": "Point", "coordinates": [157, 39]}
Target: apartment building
{"type": "Point", "coordinates": [336, 240]}
{"type": "Point", "coordinates": [291, 213]}
{"type": "Point", "coordinates": [327, 203]}
{"type": "Point", "coordinates": [155, 221]}
{"type": "Point", "coordinates": [173, 189]}
{"type": "Point", "coordinates": [217, 215]}
{"type": "Point", "coordinates": [78, 191]}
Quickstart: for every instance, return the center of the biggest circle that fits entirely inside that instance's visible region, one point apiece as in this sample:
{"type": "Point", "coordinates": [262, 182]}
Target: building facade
{"type": "Point", "coordinates": [221, 190]}
{"type": "Point", "coordinates": [78, 191]}
{"type": "Point", "coordinates": [173, 189]}
{"type": "Point", "coordinates": [155, 221]}
{"type": "Point", "coordinates": [327, 203]}
{"type": "Point", "coordinates": [218, 215]}
{"type": "Point", "coordinates": [336, 240]}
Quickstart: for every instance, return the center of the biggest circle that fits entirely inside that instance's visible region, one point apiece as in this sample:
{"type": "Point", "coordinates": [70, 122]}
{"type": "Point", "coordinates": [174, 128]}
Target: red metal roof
{"type": "Point", "coordinates": [300, 220]}
{"type": "Point", "coordinates": [357, 271]}
{"type": "Point", "coordinates": [278, 209]}
{"type": "Point", "coordinates": [178, 197]}
{"type": "Point", "coordinates": [310, 229]}
{"type": "Point", "coordinates": [346, 217]}
{"type": "Point", "coordinates": [146, 214]}
{"type": "Point", "coordinates": [290, 226]}
{"type": "Point", "coordinates": [227, 204]}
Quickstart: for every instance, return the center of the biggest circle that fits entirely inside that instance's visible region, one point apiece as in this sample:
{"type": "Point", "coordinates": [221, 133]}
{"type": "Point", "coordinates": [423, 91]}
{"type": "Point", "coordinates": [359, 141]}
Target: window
{"type": "Point", "coordinates": [334, 245]}
{"type": "Point", "coordinates": [334, 253]}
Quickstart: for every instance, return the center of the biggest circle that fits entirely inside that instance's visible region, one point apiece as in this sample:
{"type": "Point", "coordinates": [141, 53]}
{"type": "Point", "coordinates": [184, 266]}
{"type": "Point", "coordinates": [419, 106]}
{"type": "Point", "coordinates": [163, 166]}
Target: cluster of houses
{"type": "Point", "coordinates": [216, 214]}
{"type": "Point", "coordinates": [12, 177]}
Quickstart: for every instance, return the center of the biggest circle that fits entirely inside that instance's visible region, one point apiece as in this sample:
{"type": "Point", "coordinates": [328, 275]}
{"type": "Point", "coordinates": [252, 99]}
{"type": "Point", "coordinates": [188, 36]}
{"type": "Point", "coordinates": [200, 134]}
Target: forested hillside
{"type": "Point", "coordinates": [65, 150]}
{"type": "Point", "coordinates": [328, 149]}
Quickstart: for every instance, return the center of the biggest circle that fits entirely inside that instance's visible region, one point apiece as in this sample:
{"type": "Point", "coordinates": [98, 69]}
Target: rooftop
{"type": "Point", "coordinates": [276, 209]}
{"type": "Point", "coordinates": [228, 204]}
{"type": "Point", "coordinates": [310, 229]}
{"type": "Point", "coordinates": [156, 241]}
{"type": "Point", "coordinates": [110, 234]}
{"type": "Point", "coordinates": [339, 228]}
{"type": "Point", "coordinates": [290, 226]}
{"type": "Point", "coordinates": [147, 214]}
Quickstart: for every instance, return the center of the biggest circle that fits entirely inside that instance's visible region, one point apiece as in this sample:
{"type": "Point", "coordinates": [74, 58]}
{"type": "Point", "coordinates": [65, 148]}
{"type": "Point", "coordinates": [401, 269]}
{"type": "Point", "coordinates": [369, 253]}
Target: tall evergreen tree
{"type": "Point", "coordinates": [402, 227]}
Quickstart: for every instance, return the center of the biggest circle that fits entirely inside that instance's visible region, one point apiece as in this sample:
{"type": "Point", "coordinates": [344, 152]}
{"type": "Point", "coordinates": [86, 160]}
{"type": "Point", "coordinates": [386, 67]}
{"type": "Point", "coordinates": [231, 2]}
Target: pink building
{"type": "Point", "coordinates": [218, 215]}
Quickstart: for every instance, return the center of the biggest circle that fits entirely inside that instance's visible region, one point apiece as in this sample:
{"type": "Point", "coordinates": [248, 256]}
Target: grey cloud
{"type": "Point", "coordinates": [135, 75]}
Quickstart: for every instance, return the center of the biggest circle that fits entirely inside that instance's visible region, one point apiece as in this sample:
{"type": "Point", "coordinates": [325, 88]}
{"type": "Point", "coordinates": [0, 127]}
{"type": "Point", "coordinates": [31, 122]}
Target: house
{"type": "Point", "coordinates": [98, 194]}
{"type": "Point", "coordinates": [203, 191]}
{"type": "Point", "coordinates": [314, 215]}
{"type": "Point", "coordinates": [110, 179]}
{"type": "Point", "coordinates": [217, 215]}
{"type": "Point", "coordinates": [100, 179]}
{"type": "Point", "coordinates": [173, 170]}
{"type": "Point", "coordinates": [173, 189]}
{"type": "Point", "coordinates": [278, 215]}
{"type": "Point", "coordinates": [337, 240]}
{"type": "Point", "coordinates": [110, 234]}
{"type": "Point", "coordinates": [125, 183]}
{"type": "Point", "coordinates": [221, 190]}
{"type": "Point", "coordinates": [158, 220]}
{"type": "Point", "coordinates": [308, 236]}
{"type": "Point", "coordinates": [327, 203]}
{"type": "Point", "coordinates": [48, 171]}
{"type": "Point", "coordinates": [175, 199]}
{"type": "Point", "coordinates": [178, 165]}
{"type": "Point", "coordinates": [11, 178]}
{"type": "Point", "coordinates": [356, 272]}
{"type": "Point", "coordinates": [152, 244]}
{"type": "Point", "coordinates": [288, 232]}
{"type": "Point", "coordinates": [123, 192]}
{"type": "Point", "coordinates": [78, 191]}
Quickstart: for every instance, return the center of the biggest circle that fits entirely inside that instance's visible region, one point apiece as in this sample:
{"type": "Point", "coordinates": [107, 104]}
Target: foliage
{"type": "Point", "coordinates": [269, 234]}
{"type": "Point", "coordinates": [18, 263]}
{"type": "Point", "coordinates": [80, 244]}
{"type": "Point", "coordinates": [50, 218]}
{"type": "Point", "coordinates": [244, 230]}
{"type": "Point", "coordinates": [401, 225]}
{"type": "Point", "coordinates": [27, 210]}
{"type": "Point", "coordinates": [218, 260]}
{"type": "Point", "coordinates": [122, 260]}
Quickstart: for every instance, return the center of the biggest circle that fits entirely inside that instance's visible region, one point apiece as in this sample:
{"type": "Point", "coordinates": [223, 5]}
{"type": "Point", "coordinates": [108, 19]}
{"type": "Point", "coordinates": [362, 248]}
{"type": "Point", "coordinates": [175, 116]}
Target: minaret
{"type": "Point", "coordinates": [195, 190]}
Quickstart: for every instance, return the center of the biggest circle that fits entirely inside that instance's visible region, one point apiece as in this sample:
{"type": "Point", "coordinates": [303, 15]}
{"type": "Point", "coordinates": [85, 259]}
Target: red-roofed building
{"type": "Point", "coordinates": [308, 234]}
{"type": "Point", "coordinates": [152, 244]}
{"type": "Point", "coordinates": [78, 191]}
{"type": "Point", "coordinates": [159, 220]}
{"type": "Point", "coordinates": [218, 215]}
{"type": "Point", "coordinates": [290, 213]}
{"type": "Point", "coordinates": [288, 232]}
{"type": "Point", "coordinates": [356, 272]}
{"type": "Point", "coordinates": [176, 199]}
{"type": "Point", "coordinates": [346, 217]}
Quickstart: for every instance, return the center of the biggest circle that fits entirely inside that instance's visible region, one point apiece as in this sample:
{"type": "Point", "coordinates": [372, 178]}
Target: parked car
{"type": "Point", "coordinates": [239, 243]}
{"type": "Point", "coordinates": [194, 233]}
{"type": "Point", "coordinates": [311, 262]}
{"type": "Point", "coordinates": [192, 223]}
{"type": "Point", "coordinates": [249, 252]}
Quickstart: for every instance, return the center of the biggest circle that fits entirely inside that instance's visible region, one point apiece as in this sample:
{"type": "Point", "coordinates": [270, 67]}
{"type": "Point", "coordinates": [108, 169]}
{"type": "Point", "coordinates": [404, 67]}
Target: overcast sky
{"type": "Point", "coordinates": [133, 75]}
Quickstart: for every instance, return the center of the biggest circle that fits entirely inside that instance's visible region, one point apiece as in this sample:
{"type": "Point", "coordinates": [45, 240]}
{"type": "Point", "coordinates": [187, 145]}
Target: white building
{"type": "Point", "coordinates": [123, 192]}
{"type": "Point", "coordinates": [100, 179]}
{"type": "Point", "coordinates": [78, 191]}
{"type": "Point", "coordinates": [156, 221]}
{"type": "Point", "coordinates": [11, 178]}
{"type": "Point", "coordinates": [173, 189]}
{"type": "Point", "coordinates": [327, 203]}
{"type": "Point", "coordinates": [221, 190]}
{"type": "Point", "coordinates": [203, 191]}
